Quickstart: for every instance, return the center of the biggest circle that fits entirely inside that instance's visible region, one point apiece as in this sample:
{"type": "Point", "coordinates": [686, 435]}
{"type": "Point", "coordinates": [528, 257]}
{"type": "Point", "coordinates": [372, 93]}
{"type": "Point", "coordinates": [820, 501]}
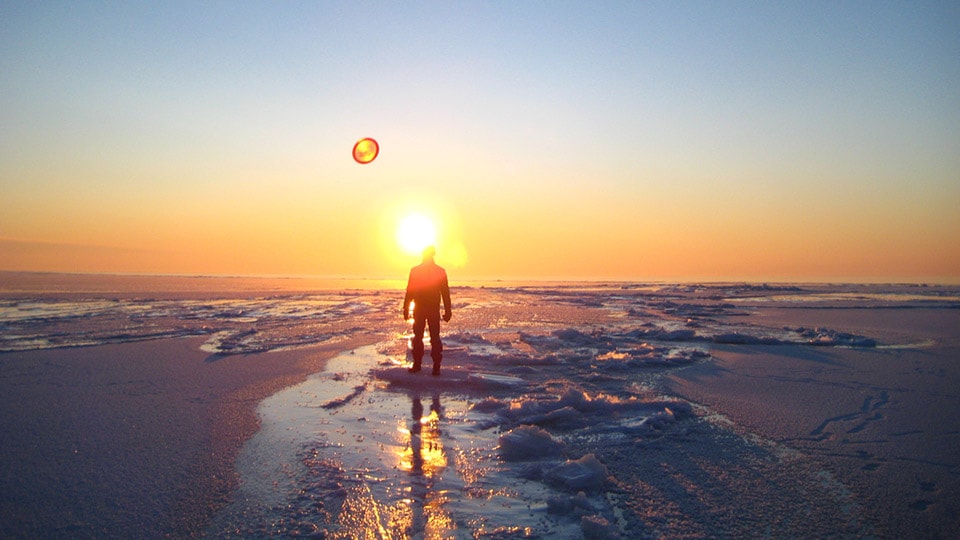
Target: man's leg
{"type": "Point", "coordinates": [419, 322]}
{"type": "Point", "coordinates": [436, 346]}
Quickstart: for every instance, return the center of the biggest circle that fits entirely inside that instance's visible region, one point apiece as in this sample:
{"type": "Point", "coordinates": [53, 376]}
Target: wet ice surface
{"type": "Point", "coordinates": [365, 449]}
{"type": "Point", "coordinates": [381, 463]}
{"type": "Point", "coordinates": [546, 423]}
{"type": "Point", "coordinates": [549, 421]}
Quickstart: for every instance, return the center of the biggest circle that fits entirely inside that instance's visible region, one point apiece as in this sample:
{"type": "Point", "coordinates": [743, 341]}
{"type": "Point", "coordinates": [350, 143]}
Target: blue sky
{"type": "Point", "coordinates": [808, 118]}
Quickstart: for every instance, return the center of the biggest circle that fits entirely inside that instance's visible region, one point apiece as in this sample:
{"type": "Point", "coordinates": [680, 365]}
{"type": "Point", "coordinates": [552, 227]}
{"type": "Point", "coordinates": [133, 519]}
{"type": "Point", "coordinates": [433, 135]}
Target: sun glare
{"type": "Point", "coordinates": [416, 232]}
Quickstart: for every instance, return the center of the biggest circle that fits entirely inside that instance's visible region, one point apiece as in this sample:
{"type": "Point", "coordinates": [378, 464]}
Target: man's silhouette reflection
{"type": "Point", "coordinates": [426, 287]}
{"type": "Point", "coordinates": [417, 436]}
{"type": "Point", "coordinates": [428, 459]}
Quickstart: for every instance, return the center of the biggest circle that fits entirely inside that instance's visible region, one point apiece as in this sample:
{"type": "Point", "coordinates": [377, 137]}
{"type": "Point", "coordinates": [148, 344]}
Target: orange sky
{"type": "Point", "coordinates": [658, 142]}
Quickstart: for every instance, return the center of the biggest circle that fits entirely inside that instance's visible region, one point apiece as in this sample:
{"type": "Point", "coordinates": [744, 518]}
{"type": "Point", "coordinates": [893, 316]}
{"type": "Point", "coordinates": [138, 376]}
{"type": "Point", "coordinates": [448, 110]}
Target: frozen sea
{"type": "Point", "coordinates": [572, 410]}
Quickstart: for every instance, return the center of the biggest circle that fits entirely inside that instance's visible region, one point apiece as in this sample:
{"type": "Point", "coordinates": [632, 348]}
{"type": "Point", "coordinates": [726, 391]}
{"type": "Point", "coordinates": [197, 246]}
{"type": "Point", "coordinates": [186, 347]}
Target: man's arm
{"type": "Point", "coordinates": [407, 297]}
{"type": "Point", "coordinates": [445, 294]}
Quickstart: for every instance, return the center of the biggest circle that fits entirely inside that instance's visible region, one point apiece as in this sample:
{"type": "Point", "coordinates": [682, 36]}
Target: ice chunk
{"type": "Point", "coordinates": [595, 527]}
{"type": "Point", "coordinates": [572, 335]}
{"type": "Point", "coordinates": [576, 398]}
{"type": "Point", "coordinates": [570, 504]}
{"type": "Point", "coordinates": [528, 442]}
{"type": "Point", "coordinates": [494, 380]}
{"type": "Point", "coordinates": [489, 405]}
{"type": "Point", "coordinates": [825, 337]}
{"type": "Point", "coordinates": [736, 338]}
{"type": "Point", "coordinates": [586, 473]}
{"type": "Point", "coordinates": [565, 418]}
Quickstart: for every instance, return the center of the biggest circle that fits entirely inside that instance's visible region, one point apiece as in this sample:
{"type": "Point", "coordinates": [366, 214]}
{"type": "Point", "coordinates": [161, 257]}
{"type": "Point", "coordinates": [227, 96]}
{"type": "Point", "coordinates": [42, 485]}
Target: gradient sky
{"type": "Point", "coordinates": [589, 140]}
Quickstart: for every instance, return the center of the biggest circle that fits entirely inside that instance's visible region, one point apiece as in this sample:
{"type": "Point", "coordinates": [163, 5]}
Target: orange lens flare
{"type": "Point", "coordinates": [365, 150]}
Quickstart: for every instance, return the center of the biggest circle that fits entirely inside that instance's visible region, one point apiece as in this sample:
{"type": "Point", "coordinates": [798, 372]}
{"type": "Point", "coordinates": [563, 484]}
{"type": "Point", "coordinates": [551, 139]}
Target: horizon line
{"type": "Point", "coordinates": [835, 280]}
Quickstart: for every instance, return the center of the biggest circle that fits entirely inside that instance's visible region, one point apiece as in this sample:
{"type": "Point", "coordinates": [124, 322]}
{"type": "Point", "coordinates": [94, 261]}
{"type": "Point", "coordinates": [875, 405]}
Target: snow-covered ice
{"type": "Point", "coordinates": [551, 419]}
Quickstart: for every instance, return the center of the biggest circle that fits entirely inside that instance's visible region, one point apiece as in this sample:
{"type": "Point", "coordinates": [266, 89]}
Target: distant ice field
{"type": "Point", "coordinates": [284, 320]}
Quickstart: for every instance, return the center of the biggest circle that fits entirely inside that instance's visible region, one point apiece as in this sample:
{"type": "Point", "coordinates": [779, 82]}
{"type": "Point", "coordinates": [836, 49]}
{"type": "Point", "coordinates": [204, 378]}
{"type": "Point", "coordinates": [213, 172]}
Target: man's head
{"type": "Point", "coordinates": [429, 253]}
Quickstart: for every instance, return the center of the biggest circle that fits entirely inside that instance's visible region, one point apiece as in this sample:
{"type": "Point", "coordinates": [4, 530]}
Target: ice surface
{"type": "Point", "coordinates": [508, 441]}
{"type": "Point", "coordinates": [234, 326]}
{"type": "Point", "coordinates": [547, 419]}
{"type": "Point", "coordinates": [644, 317]}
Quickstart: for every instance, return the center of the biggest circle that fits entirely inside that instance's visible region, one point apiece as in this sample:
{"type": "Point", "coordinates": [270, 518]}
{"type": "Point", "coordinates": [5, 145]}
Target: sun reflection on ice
{"type": "Point", "coordinates": [420, 509]}
{"type": "Point", "coordinates": [424, 459]}
{"type": "Point", "coordinates": [425, 455]}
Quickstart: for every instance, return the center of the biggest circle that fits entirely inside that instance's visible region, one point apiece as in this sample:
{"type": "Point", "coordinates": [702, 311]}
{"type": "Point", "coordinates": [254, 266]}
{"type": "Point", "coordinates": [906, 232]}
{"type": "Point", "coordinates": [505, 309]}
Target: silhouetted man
{"type": "Point", "coordinates": [426, 287]}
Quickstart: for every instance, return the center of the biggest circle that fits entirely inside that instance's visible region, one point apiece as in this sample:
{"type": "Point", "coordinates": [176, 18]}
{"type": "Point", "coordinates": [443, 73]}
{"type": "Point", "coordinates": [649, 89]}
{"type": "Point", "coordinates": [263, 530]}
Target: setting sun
{"type": "Point", "coordinates": [416, 232]}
